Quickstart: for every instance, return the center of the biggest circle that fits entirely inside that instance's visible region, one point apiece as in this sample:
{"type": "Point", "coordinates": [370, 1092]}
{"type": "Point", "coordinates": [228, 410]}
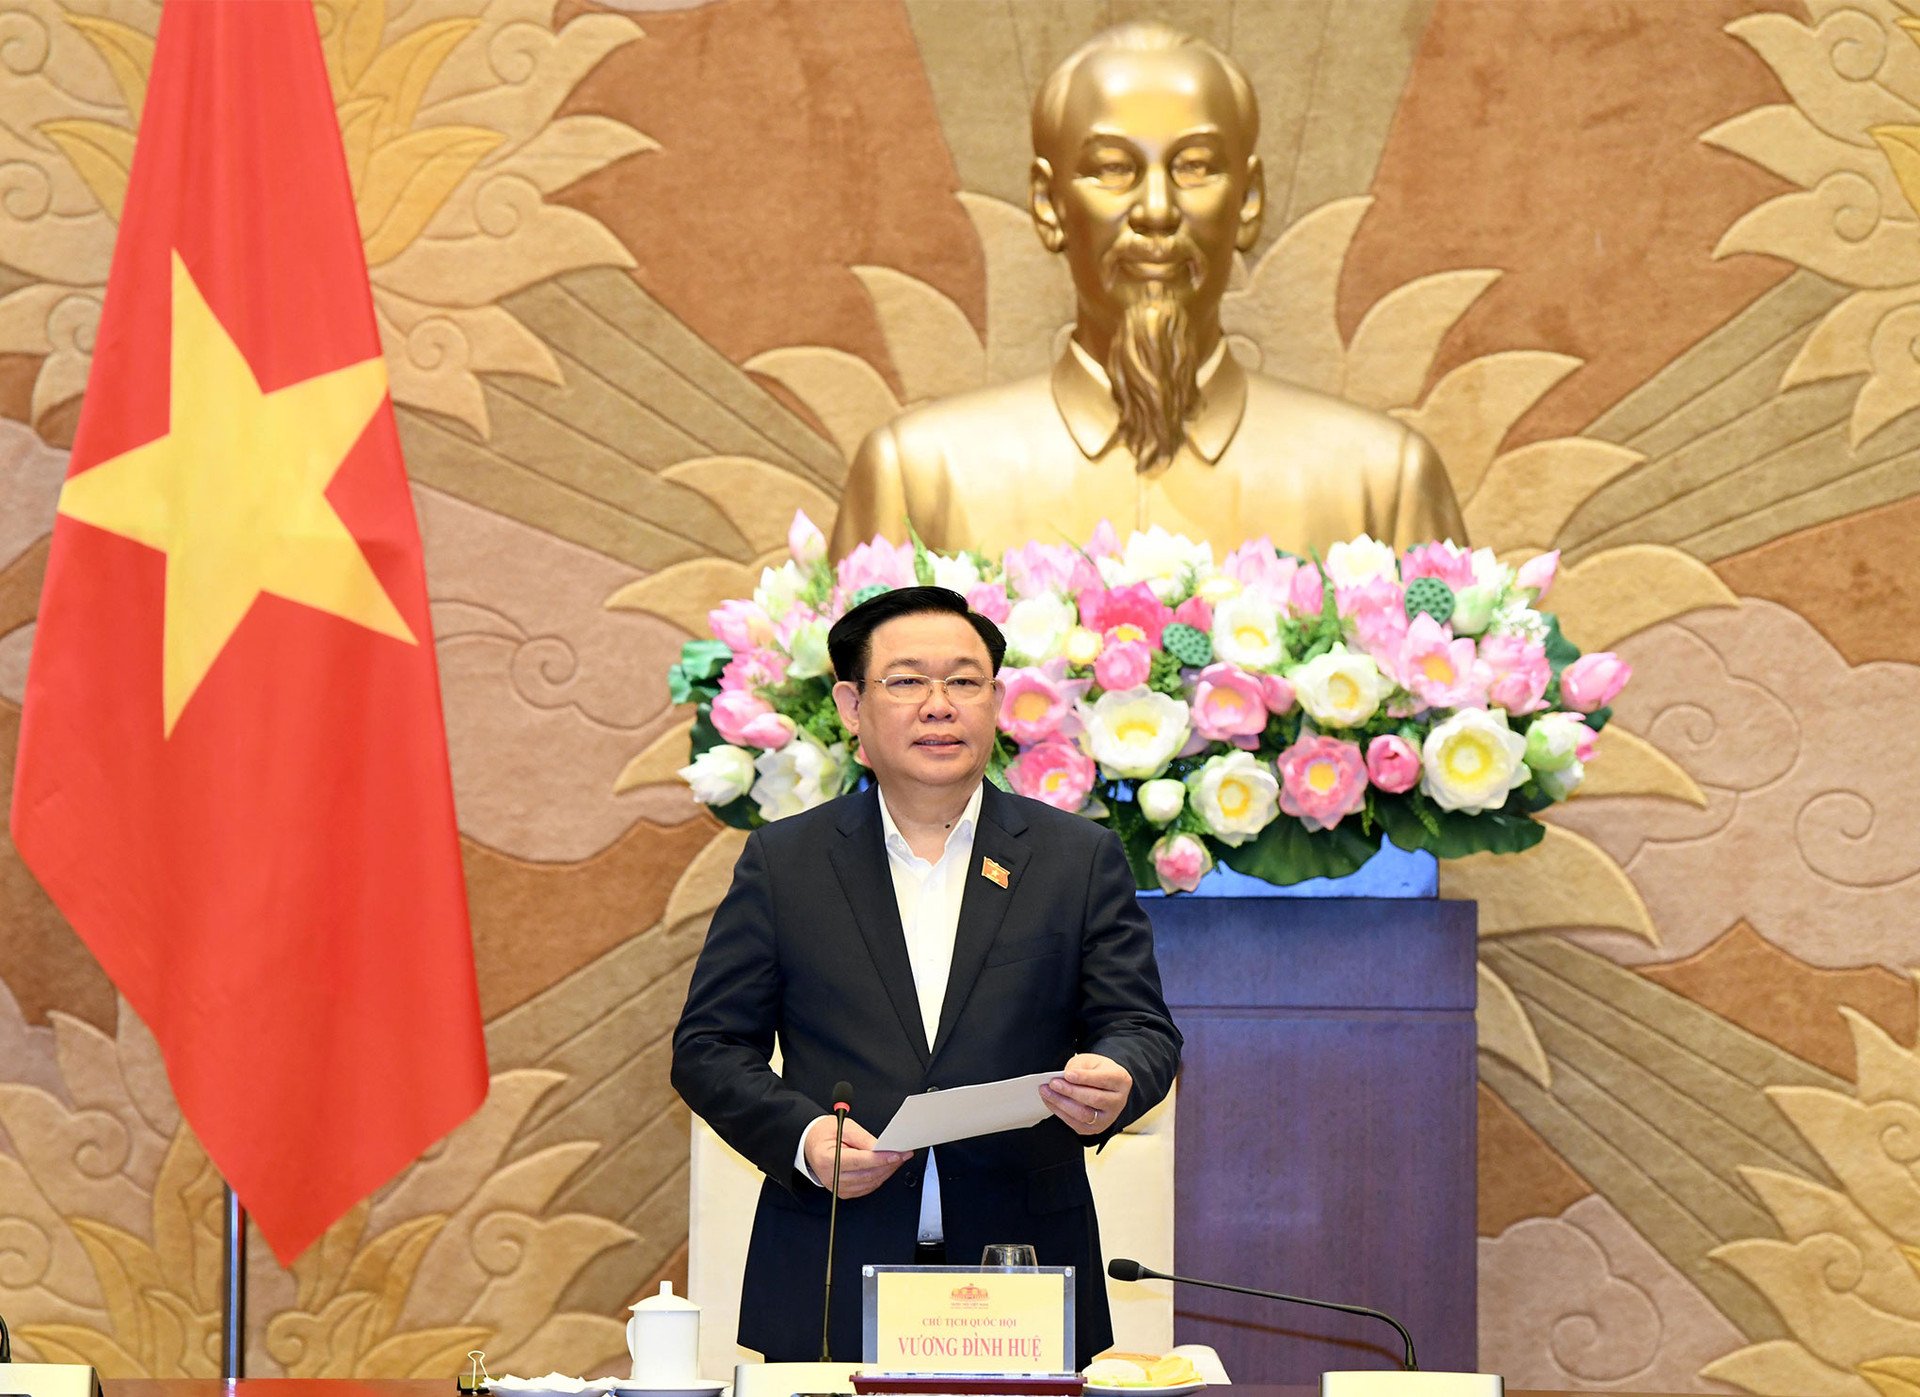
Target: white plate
{"type": "Point", "coordinates": [1100, 1389]}
{"type": "Point", "coordinates": [699, 1387]}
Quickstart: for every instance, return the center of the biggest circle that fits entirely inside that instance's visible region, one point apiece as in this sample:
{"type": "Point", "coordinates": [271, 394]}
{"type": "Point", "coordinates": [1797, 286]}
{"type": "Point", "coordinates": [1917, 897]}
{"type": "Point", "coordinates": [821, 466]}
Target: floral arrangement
{"type": "Point", "coordinates": [1272, 713]}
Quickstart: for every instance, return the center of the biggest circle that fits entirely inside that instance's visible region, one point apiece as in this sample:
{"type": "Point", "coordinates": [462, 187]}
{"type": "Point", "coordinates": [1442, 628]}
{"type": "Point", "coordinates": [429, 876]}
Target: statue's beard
{"type": "Point", "coordinates": [1154, 369]}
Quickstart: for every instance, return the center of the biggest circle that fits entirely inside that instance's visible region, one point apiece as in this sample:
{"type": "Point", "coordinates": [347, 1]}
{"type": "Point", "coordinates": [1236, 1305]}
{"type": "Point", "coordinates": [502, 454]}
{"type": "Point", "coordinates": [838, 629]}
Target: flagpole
{"type": "Point", "coordinates": [233, 1290]}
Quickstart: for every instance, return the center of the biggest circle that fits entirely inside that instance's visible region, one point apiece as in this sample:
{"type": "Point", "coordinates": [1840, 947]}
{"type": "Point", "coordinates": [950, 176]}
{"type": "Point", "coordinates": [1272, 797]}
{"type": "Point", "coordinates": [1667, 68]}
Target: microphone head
{"type": "Point", "coordinates": [1122, 1269]}
{"type": "Point", "coordinates": [842, 1094]}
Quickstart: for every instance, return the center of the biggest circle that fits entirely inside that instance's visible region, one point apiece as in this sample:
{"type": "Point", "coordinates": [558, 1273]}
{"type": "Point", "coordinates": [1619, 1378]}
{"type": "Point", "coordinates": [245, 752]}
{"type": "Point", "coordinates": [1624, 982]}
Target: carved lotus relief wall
{"type": "Point", "coordinates": [645, 273]}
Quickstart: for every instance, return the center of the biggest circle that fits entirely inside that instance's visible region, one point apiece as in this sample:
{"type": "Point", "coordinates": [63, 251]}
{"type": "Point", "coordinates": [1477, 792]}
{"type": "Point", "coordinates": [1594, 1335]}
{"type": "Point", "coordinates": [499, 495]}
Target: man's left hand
{"type": "Point", "coordinates": [1089, 1093]}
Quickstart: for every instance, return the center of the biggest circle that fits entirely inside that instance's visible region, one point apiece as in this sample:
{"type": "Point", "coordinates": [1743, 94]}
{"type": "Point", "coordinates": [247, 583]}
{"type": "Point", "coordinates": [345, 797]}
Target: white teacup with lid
{"type": "Point", "coordinates": [663, 1337]}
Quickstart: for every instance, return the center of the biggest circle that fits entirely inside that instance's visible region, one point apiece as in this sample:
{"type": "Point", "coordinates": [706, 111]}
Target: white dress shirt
{"type": "Point", "coordinates": [928, 896]}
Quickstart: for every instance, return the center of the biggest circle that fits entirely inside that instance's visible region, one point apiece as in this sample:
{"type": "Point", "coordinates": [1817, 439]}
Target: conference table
{"type": "Point", "coordinates": [417, 1387]}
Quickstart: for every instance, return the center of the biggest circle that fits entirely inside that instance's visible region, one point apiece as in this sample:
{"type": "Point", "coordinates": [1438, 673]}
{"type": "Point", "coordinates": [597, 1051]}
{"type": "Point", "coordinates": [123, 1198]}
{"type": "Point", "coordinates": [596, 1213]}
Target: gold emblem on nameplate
{"type": "Point", "coordinates": [993, 872]}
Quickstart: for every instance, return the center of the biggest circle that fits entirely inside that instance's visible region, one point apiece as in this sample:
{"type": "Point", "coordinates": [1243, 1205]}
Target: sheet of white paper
{"type": "Point", "coordinates": [960, 1113]}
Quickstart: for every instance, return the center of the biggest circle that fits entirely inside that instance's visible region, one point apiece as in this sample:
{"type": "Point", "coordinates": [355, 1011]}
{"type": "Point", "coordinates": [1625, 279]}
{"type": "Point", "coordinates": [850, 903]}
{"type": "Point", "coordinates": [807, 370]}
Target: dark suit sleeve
{"type": "Point", "coordinates": [726, 1031]}
{"type": "Point", "coordinates": [1123, 1014]}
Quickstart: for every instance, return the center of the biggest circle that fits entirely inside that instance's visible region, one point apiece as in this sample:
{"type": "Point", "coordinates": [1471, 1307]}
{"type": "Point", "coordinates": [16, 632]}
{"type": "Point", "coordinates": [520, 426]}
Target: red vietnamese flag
{"type": "Point", "coordinates": [233, 772]}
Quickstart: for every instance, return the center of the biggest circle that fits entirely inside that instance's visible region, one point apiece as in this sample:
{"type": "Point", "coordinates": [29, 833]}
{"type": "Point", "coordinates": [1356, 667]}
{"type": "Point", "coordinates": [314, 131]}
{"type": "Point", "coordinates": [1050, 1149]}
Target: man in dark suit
{"type": "Point", "coordinates": [929, 932]}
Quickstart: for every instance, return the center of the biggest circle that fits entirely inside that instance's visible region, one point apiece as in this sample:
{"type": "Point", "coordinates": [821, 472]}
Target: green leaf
{"type": "Point", "coordinates": [1561, 652]}
{"type": "Point", "coordinates": [704, 659]}
{"type": "Point", "coordinates": [703, 733]}
{"type": "Point", "coordinates": [1137, 837]}
{"type": "Point", "coordinates": [1414, 822]}
{"type": "Point", "coordinates": [998, 760]}
{"type": "Point", "coordinates": [819, 588]}
{"type": "Point", "coordinates": [692, 679]}
{"type": "Point", "coordinates": [1164, 678]}
{"type": "Point", "coordinates": [741, 813]}
{"type": "Point", "coordinates": [1286, 852]}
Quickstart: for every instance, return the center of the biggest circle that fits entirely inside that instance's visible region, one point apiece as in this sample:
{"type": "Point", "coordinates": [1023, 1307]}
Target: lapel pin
{"type": "Point", "coordinates": [993, 872]}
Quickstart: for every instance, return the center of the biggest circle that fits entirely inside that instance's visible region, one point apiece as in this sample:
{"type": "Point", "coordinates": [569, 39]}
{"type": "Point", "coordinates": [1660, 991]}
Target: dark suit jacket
{"type": "Point", "coordinates": [807, 946]}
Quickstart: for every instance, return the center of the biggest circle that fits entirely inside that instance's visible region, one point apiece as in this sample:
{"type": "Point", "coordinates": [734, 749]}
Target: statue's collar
{"type": "Point", "coordinates": [1082, 394]}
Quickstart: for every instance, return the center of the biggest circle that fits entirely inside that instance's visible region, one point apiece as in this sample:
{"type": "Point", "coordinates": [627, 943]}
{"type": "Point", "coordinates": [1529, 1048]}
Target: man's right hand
{"type": "Point", "coordinates": [862, 1168]}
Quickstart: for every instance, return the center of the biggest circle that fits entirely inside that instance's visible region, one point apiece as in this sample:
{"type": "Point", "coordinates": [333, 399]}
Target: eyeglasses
{"type": "Point", "coordinates": [960, 689]}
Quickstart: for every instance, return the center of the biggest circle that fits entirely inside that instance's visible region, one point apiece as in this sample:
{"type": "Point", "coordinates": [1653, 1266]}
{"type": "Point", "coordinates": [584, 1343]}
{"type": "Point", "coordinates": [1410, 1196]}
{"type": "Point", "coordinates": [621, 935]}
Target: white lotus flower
{"type": "Point", "coordinates": [956, 574]}
{"type": "Point", "coordinates": [1472, 760]}
{"type": "Point", "coordinates": [720, 775]}
{"type": "Point", "coordinates": [1134, 733]}
{"type": "Point", "coordinates": [1037, 627]}
{"type": "Point", "coordinates": [1236, 795]}
{"type": "Point", "coordinates": [797, 777]}
{"type": "Point", "coordinates": [779, 590]}
{"type": "Point", "coordinates": [1355, 563]}
{"type": "Point", "coordinates": [1164, 561]}
{"type": "Point", "coordinates": [807, 648]}
{"type": "Point", "coordinates": [1341, 688]}
{"type": "Point", "coordinates": [1161, 801]}
{"type": "Point", "coordinates": [1246, 632]}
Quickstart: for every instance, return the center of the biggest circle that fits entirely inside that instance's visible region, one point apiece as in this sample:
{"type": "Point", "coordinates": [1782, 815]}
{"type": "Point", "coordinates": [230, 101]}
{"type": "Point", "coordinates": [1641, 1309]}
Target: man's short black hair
{"type": "Point", "coordinates": [850, 642]}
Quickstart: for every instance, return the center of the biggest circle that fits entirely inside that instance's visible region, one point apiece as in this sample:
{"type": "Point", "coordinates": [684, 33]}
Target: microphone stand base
{"type": "Point", "coordinates": [1394, 1382]}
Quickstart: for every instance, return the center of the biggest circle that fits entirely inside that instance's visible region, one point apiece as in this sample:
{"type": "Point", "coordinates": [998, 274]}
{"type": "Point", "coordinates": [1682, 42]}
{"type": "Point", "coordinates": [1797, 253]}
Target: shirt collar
{"type": "Point", "coordinates": [1084, 396]}
{"type": "Point", "coordinates": [897, 842]}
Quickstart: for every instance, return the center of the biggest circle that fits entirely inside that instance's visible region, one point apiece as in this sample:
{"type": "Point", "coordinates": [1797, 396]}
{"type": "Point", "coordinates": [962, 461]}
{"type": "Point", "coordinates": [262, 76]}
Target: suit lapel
{"type": "Point", "coordinates": [859, 858]}
{"type": "Point", "coordinates": [984, 903]}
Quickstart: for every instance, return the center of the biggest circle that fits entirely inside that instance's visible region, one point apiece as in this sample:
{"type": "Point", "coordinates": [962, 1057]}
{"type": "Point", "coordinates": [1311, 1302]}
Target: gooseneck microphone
{"type": "Point", "coordinates": [1123, 1270]}
{"type": "Point", "coordinates": [842, 1095]}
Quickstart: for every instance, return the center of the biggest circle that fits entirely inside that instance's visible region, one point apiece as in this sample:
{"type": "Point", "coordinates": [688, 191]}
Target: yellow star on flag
{"type": "Point", "coordinates": [235, 495]}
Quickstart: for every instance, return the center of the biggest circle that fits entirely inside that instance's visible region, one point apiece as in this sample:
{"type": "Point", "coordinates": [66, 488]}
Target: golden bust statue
{"type": "Point", "coordinates": [1145, 176]}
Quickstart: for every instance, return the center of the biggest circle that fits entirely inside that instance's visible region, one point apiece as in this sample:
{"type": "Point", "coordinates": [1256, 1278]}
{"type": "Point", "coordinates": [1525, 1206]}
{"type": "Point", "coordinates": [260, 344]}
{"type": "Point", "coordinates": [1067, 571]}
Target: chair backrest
{"type": "Point", "coordinates": [1132, 1182]}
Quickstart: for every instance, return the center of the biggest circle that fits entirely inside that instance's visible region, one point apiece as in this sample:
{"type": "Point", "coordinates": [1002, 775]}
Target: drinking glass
{"type": "Point", "coordinates": [1009, 1254]}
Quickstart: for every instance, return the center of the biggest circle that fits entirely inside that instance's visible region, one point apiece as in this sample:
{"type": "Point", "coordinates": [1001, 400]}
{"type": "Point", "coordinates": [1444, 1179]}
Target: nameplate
{"type": "Point", "coordinates": [48, 1380]}
{"type": "Point", "coordinates": [968, 1319]}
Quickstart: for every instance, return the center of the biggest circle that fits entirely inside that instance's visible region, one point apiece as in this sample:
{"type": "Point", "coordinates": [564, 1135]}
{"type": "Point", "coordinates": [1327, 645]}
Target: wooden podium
{"type": "Point", "coordinates": [1326, 1135]}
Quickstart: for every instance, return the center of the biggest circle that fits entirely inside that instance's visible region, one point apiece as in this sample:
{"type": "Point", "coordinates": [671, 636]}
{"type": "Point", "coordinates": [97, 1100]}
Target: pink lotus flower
{"type": "Point", "coordinates": [1306, 591]}
{"type": "Point", "coordinates": [1377, 621]}
{"type": "Point", "coordinates": [1228, 706]}
{"type": "Point", "coordinates": [740, 625]}
{"type": "Point", "coordinates": [747, 720]}
{"type": "Point", "coordinates": [1277, 693]}
{"type": "Point", "coordinates": [1322, 780]}
{"type": "Point", "coordinates": [758, 668]}
{"type": "Point", "coordinates": [1536, 574]}
{"type": "Point", "coordinates": [1441, 672]}
{"type": "Point", "coordinates": [797, 618]}
{"type": "Point", "coordinates": [1180, 861]}
{"type": "Point", "coordinates": [1194, 612]}
{"type": "Point", "coordinates": [990, 600]}
{"type": "Point", "coordinates": [1125, 664]}
{"type": "Point", "coordinates": [1453, 566]}
{"type": "Point", "coordinates": [1036, 702]}
{"type": "Point", "coordinates": [1105, 543]}
{"type": "Point", "coordinates": [804, 540]}
{"type": "Point", "coordinates": [1593, 681]}
{"type": "Point", "coordinates": [1392, 764]}
{"type": "Point", "coordinates": [1055, 771]}
{"type": "Point", "coordinates": [1257, 568]}
{"type": "Point", "coordinates": [1375, 596]}
{"type": "Point", "coordinates": [1033, 568]}
{"type": "Point", "coordinates": [1517, 672]}
{"type": "Point", "coordinates": [1133, 606]}
{"type": "Point", "coordinates": [875, 562]}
